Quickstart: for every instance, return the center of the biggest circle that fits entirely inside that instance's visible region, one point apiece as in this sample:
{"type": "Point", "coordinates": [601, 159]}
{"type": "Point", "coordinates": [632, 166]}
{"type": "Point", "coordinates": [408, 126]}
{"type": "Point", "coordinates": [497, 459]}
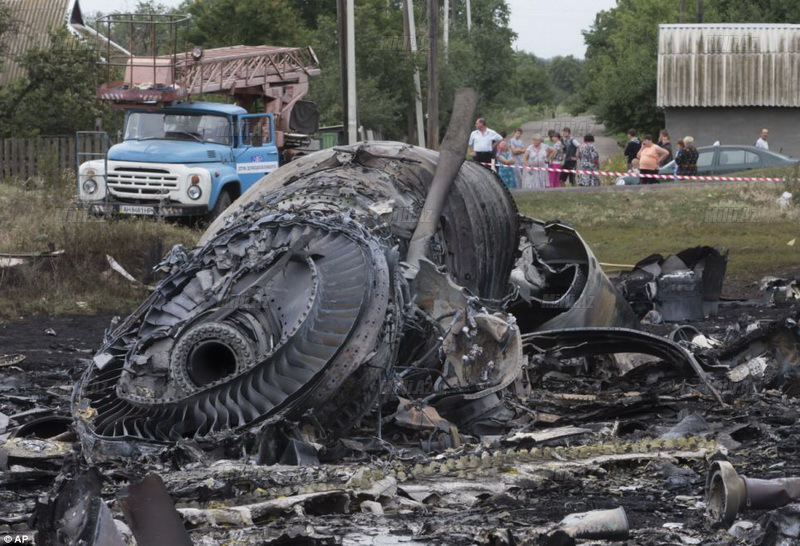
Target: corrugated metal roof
{"type": "Point", "coordinates": [37, 18]}
{"type": "Point", "coordinates": [728, 65]}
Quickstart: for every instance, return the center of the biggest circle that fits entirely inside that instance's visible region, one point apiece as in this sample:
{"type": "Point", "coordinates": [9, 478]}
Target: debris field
{"type": "Point", "coordinates": [307, 375]}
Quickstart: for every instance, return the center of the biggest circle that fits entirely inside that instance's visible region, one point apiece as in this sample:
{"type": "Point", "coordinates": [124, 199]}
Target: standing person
{"type": "Point", "coordinates": [632, 148]}
{"type": "Point", "coordinates": [535, 157]}
{"type": "Point", "coordinates": [555, 155]}
{"type": "Point", "coordinates": [505, 160]}
{"type": "Point", "coordinates": [517, 148]}
{"type": "Point", "coordinates": [686, 161]}
{"type": "Point", "coordinates": [588, 160]}
{"type": "Point", "coordinates": [663, 142]}
{"type": "Point", "coordinates": [571, 146]}
{"type": "Point", "coordinates": [680, 145]}
{"type": "Point", "coordinates": [762, 139]}
{"type": "Point", "coordinates": [650, 155]}
{"type": "Point", "coordinates": [482, 142]}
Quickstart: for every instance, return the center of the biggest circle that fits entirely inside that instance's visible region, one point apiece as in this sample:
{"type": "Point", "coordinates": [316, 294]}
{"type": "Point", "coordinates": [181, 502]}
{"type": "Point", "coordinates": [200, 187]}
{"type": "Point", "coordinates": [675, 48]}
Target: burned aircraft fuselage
{"type": "Point", "coordinates": [297, 302]}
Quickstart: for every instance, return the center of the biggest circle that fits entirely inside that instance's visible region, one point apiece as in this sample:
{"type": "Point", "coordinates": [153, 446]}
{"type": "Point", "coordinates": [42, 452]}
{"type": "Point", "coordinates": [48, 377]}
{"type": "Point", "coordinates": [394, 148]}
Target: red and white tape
{"type": "Point", "coordinates": [639, 175]}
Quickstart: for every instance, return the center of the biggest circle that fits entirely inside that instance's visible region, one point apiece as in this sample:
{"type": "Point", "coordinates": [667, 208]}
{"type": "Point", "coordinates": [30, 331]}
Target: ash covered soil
{"type": "Point", "coordinates": [414, 487]}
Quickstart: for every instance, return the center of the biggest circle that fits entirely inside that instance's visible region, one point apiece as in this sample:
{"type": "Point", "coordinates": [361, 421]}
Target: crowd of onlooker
{"type": "Point", "coordinates": [646, 157]}
{"type": "Point", "coordinates": [561, 159]}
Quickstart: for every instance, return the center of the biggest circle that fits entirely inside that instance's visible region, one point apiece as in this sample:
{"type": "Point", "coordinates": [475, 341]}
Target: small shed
{"type": "Point", "coordinates": [35, 20]}
{"type": "Point", "coordinates": [724, 82]}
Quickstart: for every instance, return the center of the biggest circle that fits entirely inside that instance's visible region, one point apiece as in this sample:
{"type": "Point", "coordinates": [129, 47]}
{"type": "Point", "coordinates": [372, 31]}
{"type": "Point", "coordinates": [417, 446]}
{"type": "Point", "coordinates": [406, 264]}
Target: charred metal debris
{"type": "Point", "coordinates": [298, 306]}
{"type": "Point", "coordinates": [294, 367]}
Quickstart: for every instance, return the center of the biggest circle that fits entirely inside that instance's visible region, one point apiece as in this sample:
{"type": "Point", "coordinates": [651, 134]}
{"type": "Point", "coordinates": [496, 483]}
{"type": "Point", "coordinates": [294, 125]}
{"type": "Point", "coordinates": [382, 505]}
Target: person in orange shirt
{"type": "Point", "coordinates": [650, 155]}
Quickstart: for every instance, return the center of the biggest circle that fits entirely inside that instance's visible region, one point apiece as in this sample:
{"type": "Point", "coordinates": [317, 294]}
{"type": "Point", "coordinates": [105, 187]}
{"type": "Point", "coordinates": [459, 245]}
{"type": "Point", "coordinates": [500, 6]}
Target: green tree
{"type": "Point", "coordinates": [566, 73]}
{"type": "Point", "coordinates": [753, 11]}
{"type": "Point", "coordinates": [530, 80]}
{"type": "Point", "coordinates": [482, 58]}
{"type": "Point", "coordinates": [492, 63]}
{"type": "Point", "coordinates": [57, 96]}
{"type": "Point", "coordinates": [311, 10]}
{"type": "Point", "coordinates": [383, 69]}
{"type": "Point", "coordinates": [621, 64]}
{"type": "Point", "coordinates": [151, 29]}
{"type": "Point", "coordinates": [218, 23]}
{"type": "Point", "coordinates": [622, 55]}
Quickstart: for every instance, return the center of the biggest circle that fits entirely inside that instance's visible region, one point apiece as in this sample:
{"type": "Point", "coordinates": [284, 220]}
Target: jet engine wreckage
{"type": "Point", "coordinates": [496, 365]}
{"type": "Point", "coordinates": [296, 305]}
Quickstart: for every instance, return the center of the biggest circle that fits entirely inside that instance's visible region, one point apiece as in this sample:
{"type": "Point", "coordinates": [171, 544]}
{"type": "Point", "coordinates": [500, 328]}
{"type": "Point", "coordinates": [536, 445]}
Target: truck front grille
{"type": "Point", "coordinates": [133, 181]}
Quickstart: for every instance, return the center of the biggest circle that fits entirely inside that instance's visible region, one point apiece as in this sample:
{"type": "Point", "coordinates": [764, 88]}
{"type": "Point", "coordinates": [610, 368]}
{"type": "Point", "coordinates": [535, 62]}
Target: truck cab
{"type": "Point", "coordinates": [188, 159]}
{"type": "Point", "coordinates": [180, 158]}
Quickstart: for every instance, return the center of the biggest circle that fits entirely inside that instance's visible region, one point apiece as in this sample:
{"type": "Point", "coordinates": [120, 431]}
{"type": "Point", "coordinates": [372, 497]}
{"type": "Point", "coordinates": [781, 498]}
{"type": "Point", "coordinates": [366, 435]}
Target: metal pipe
{"type": "Point", "coordinates": [451, 156]}
{"type": "Point", "coordinates": [598, 525]}
{"type": "Point", "coordinates": [727, 493]}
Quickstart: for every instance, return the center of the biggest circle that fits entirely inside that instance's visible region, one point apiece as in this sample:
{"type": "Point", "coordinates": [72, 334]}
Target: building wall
{"type": "Point", "coordinates": [729, 65]}
{"type": "Point", "coordinates": [737, 126]}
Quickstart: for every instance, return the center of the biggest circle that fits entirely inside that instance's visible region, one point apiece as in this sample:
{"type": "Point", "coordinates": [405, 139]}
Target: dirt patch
{"type": "Point", "coordinates": [487, 501]}
{"type": "Point", "coordinates": [53, 340]}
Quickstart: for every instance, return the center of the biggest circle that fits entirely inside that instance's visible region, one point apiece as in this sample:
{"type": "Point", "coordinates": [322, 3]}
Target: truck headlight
{"type": "Point", "coordinates": [89, 186]}
{"type": "Point", "coordinates": [194, 192]}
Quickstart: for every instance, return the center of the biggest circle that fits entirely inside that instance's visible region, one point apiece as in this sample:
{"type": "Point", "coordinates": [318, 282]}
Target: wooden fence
{"type": "Point", "coordinates": [23, 158]}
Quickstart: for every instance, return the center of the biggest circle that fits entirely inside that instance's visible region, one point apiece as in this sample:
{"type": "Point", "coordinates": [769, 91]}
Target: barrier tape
{"type": "Point", "coordinates": [638, 175]}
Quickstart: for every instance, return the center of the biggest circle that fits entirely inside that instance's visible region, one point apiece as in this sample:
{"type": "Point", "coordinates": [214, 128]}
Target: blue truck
{"type": "Point", "coordinates": [184, 159]}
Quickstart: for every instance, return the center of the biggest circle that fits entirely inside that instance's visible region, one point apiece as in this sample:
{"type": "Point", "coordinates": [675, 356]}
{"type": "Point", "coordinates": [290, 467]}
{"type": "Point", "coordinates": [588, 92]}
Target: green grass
{"type": "Point", "coordinates": [620, 225]}
{"type": "Point", "coordinates": [623, 226]}
{"type": "Point", "coordinates": [38, 219]}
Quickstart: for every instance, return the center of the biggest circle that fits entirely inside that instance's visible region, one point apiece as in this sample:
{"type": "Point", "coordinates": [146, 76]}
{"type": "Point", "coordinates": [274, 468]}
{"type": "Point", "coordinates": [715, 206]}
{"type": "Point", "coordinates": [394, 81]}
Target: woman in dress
{"type": "Point", "coordinates": [505, 158]}
{"type": "Point", "coordinates": [556, 157]}
{"type": "Point", "coordinates": [588, 160]}
{"type": "Point", "coordinates": [535, 161]}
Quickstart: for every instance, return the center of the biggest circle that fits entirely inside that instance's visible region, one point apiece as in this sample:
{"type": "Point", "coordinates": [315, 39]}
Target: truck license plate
{"type": "Point", "coordinates": [136, 209]}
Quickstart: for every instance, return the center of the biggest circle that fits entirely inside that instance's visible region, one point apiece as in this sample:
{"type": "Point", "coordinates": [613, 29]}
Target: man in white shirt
{"type": "Point", "coordinates": [481, 143]}
{"type": "Point", "coordinates": [762, 140]}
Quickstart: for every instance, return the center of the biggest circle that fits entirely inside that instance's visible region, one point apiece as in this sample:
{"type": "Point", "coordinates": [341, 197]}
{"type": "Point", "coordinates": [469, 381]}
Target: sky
{"type": "Point", "coordinates": [546, 28]}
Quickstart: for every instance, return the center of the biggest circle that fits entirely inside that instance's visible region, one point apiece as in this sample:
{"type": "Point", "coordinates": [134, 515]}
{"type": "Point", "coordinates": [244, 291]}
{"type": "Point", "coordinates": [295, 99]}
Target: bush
{"type": "Point", "coordinates": [39, 217]}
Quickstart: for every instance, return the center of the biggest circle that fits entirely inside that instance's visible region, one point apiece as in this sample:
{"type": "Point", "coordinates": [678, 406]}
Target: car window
{"type": "Point", "coordinates": [705, 159]}
{"type": "Point", "coordinates": [751, 159]}
{"type": "Point", "coordinates": [731, 157]}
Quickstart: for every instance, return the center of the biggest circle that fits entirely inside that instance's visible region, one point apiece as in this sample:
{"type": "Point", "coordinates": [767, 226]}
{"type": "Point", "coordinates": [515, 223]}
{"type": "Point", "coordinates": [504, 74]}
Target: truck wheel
{"type": "Point", "coordinates": [223, 202]}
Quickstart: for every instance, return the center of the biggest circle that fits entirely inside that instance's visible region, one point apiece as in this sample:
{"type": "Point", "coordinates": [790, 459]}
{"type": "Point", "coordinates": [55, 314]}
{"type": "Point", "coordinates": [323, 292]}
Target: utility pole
{"type": "Point", "coordinates": [433, 74]}
{"type": "Point", "coordinates": [446, 37]}
{"type": "Point", "coordinates": [347, 58]}
{"type": "Point", "coordinates": [352, 123]}
{"type": "Point", "coordinates": [412, 40]}
{"type": "Point", "coordinates": [682, 18]}
{"type": "Point", "coordinates": [341, 30]}
{"type": "Point", "coordinates": [410, 130]}
{"type": "Point", "coordinates": [469, 16]}
{"type": "Point", "coordinates": [699, 11]}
